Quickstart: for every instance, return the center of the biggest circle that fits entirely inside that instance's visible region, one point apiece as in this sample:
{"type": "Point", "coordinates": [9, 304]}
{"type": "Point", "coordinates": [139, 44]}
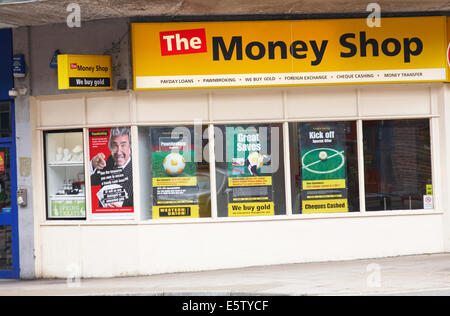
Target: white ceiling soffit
{"type": "Point", "coordinates": [38, 12]}
{"type": "Point", "coordinates": [6, 26]}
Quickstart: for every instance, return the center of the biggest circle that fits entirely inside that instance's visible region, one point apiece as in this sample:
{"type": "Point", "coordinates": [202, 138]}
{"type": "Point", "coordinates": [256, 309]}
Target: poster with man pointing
{"type": "Point", "coordinates": [111, 173]}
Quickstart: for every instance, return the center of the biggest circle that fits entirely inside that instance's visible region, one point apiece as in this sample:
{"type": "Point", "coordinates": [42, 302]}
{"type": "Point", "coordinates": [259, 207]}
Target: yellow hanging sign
{"type": "Point", "coordinates": [84, 72]}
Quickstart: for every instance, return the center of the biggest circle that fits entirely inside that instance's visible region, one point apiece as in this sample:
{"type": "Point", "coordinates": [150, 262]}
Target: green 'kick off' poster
{"type": "Point", "coordinates": [323, 164]}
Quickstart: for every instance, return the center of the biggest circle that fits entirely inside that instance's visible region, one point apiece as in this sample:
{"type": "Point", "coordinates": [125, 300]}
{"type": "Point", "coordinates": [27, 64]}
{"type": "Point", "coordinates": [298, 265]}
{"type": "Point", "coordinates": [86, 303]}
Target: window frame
{"type": "Point", "coordinates": [44, 149]}
{"type": "Point", "coordinates": [356, 129]}
{"type": "Point", "coordinates": [433, 116]}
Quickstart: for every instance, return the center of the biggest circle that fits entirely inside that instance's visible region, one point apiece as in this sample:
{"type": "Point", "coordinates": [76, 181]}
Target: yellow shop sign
{"type": "Point", "coordinates": [84, 72]}
{"type": "Point", "coordinates": [448, 49]}
{"type": "Point", "coordinates": [284, 53]}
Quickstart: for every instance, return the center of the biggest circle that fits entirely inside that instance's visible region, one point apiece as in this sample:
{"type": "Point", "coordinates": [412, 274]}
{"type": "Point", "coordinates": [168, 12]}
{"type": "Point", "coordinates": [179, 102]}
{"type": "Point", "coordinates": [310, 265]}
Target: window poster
{"type": "Point", "coordinates": [249, 172]}
{"type": "Point", "coordinates": [2, 161]}
{"type": "Point", "coordinates": [323, 163]}
{"type": "Point", "coordinates": [174, 173]}
{"type": "Point", "coordinates": [111, 173]}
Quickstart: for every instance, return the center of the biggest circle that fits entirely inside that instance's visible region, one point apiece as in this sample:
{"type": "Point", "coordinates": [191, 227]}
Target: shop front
{"type": "Point", "coordinates": [246, 143]}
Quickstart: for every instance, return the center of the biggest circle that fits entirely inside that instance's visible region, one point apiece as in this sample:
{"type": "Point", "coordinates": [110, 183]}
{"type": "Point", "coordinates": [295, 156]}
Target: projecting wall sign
{"type": "Point", "coordinates": [84, 72]}
{"type": "Point", "coordinates": [274, 53]}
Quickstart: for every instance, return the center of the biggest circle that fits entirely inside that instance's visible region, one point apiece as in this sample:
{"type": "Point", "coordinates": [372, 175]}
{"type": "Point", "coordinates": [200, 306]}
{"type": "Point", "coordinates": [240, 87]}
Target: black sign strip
{"type": "Point", "coordinates": [90, 82]}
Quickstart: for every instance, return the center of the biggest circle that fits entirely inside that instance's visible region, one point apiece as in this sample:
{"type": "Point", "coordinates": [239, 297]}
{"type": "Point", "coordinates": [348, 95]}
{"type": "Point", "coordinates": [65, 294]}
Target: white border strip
{"type": "Point", "coordinates": [264, 79]}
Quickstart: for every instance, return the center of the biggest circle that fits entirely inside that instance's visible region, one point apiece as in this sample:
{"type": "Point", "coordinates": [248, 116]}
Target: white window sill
{"type": "Point", "coordinates": [242, 219]}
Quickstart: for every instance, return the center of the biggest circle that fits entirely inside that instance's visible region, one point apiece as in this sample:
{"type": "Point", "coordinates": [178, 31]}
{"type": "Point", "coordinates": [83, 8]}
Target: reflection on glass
{"type": "Point", "coordinates": [324, 167]}
{"type": "Point", "coordinates": [5, 119]}
{"type": "Point", "coordinates": [5, 248]}
{"type": "Point", "coordinates": [5, 181]}
{"type": "Point", "coordinates": [397, 161]}
{"type": "Point", "coordinates": [174, 172]}
{"type": "Point", "coordinates": [5, 208]}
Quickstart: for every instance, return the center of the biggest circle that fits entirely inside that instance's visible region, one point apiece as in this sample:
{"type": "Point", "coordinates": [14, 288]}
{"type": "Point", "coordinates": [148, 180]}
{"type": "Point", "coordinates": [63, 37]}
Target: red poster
{"type": "Point", "coordinates": [111, 172]}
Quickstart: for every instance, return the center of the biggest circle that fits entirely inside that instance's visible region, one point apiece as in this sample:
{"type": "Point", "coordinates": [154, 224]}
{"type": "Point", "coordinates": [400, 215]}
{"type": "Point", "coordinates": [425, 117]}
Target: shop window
{"type": "Point", "coordinates": [250, 170]}
{"type": "Point", "coordinates": [65, 175]}
{"type": "Point", "coordinates": [174, 172]}
{"type": "Point", "coordinates": [324, 167]}
{"type": "Point", "coordinates": [5, 180]}
{"type": "Point", "coordinates": [5, 247]}
{"type": "Point", "coordinates": [397, 161]}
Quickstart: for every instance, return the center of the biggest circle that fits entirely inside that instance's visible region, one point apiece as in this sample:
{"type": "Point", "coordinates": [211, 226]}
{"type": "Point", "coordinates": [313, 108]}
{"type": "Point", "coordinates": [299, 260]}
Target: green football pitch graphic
{"type": "Point", "coordinates": [312, 164]}
{"type": "Point", "coordinates": [158, 169]}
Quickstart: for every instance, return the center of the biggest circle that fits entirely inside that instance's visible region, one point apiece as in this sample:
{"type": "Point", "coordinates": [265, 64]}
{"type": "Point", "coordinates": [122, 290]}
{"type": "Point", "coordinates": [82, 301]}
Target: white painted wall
{"type": "Point", "coordinates": [129, 250]}
{"type": "Point", "coordinates": [24, 150]}
{"type": "Point", "coordinates": [444, 129]}
{"type": "Point", "coordinates": [142, 247]}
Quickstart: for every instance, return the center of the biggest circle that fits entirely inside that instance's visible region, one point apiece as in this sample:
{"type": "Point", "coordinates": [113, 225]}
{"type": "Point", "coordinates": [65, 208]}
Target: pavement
{"type": "Point", "coordinates": [405, 275]}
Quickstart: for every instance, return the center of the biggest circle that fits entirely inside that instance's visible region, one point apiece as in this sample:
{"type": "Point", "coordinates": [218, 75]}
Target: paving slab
{"type": "Point", "coordinates": [406, 275]}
